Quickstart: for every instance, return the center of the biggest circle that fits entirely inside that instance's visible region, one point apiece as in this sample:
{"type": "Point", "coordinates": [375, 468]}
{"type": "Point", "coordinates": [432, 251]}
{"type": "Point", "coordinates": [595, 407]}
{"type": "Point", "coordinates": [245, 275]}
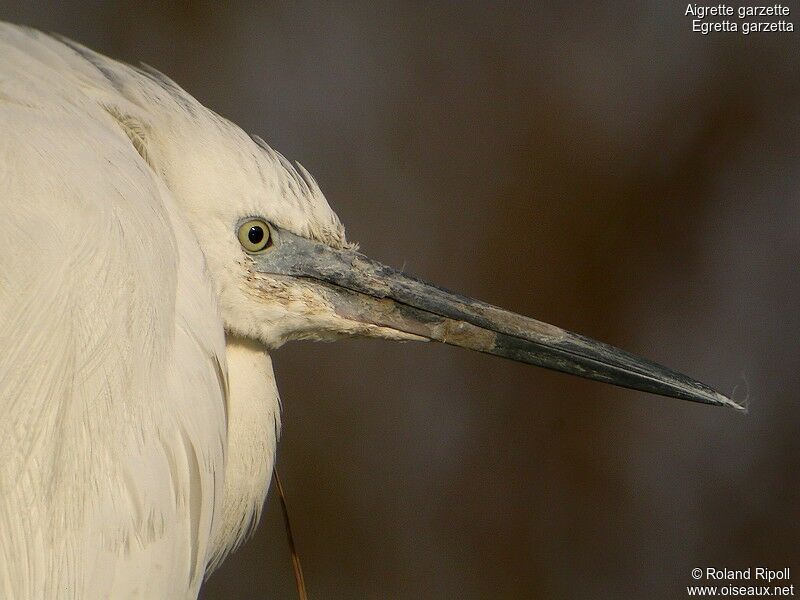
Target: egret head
{"type": "Point", "coordinates": [283, 269]}
{"type": "Point", "coordinates": [244, 201]}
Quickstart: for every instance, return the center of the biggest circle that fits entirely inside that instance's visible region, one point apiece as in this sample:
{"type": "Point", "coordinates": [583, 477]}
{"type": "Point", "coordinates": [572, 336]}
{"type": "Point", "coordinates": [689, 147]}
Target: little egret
{"type": "Point", "coordinates": [153, 255]}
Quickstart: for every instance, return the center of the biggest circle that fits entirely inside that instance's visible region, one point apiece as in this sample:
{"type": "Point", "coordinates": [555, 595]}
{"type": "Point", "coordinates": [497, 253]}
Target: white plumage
{"type": "Point", "coordinates": [116, 376]}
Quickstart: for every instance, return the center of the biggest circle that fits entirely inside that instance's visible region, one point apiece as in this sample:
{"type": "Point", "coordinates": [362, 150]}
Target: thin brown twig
{"type": "Point", "coordinates": [298, 570]}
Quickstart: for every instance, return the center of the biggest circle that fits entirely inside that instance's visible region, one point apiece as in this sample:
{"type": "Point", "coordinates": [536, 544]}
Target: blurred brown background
{"type": "Point", "coordinates": [593, 164]}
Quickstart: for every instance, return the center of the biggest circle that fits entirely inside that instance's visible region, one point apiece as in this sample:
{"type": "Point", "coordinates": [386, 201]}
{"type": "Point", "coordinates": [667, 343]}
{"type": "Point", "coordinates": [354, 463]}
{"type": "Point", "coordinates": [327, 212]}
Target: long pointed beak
{"type": "Point", "coordinates": [366, 291]}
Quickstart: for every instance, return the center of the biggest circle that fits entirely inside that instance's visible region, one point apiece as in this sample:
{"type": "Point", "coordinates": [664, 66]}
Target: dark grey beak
{"type": "Point", "coordinates": [366, 291]}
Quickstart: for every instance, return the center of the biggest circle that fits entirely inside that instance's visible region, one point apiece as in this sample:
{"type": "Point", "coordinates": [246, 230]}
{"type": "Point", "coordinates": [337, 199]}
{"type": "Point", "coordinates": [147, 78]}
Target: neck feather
{"type": "Point", "coordinates": [253, 430]}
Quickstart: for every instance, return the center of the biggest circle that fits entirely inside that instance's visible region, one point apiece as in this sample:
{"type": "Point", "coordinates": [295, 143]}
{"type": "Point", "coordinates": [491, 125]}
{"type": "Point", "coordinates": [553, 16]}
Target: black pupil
{"type": "Point", "coordinates": [256, 234]}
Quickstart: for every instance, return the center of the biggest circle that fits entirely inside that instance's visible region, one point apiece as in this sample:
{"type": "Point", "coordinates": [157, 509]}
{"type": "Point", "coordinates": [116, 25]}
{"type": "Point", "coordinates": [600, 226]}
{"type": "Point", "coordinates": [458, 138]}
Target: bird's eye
{"type": "Point", "coordinates": [254, 235]}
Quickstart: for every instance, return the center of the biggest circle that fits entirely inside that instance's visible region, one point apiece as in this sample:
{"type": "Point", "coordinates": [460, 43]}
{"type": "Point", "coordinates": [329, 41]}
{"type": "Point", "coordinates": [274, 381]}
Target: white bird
{"type": "Point", "coordinates": [152, 256]}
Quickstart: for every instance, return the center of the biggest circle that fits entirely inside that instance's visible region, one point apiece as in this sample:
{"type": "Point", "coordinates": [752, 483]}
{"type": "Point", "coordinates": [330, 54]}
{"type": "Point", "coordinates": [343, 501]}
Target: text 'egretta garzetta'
{"type": "Point", "coordinates": [152, 256]}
